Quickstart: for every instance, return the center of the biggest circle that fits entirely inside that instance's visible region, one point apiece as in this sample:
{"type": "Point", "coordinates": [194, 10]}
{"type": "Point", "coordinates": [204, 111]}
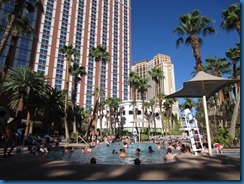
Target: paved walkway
{"type": "Point", "coordinates": [24, 166]}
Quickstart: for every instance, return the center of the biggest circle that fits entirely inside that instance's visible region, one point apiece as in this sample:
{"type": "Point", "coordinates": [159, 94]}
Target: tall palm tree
{"type": "Point", "coordinates": [101, 108]}
{"type": "Point", "coordinates": [150, 105]}
{"type": "Point", "coordinates": [142, 89]}
{"type": "Point", "coordinates": [21, 25]}
{"type": "Point", "coordinates": [157, 75]}
{"type": "Point", "coordinates": [234, 55]}
{"type": "Point", "coordinates": [23, 85]}
{"type": "Point", "coordinates": [161, 97]}
{"type": "Point", "coordinates": [16, 24]}
{"type": "Point", "coordinates": [77, 72]}
{"type": "Point", "coordinates": [69, 52]}
{"type": "Point", "coordinates": [232, 19]}
{"type": "Point", "coordinates": [19, 6]}
{"type": "Point", "coordinates": [169, 111]}
{"type": "Point", "coordinates": [192, 25]}
{"type": "Point", "coordinates": [217, 67]}
{"type": "Point", "coordinates": [99, 54]}
{"type": "Point", "coordinates": [113, 105]}
{"type": "Point", "coordinates": [134, 81]}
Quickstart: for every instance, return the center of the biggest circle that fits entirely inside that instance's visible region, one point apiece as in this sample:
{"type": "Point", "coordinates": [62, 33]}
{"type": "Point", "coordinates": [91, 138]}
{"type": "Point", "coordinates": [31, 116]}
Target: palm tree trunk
{"type": "Point", "coordinates": [66, 101]}
{"type": "Point", "coordinates": [143, 109]}
{"type": "Point", "coordinates": [235, 116]}
{"type": "Point", "coordinates": [27, 127]}
{"type": "Point", "coordinates": [18, 8]}
{"type": "Point", "coordinates": [9, 61]}
{"type": "Point", "coordinates": [74, 104]}
{"type": "Point", "coordinates": [135, 113]}
{"type": "Point", "coordinates": [96, 103]}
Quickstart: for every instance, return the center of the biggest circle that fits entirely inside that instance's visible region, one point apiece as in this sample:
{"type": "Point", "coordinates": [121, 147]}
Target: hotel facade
{"type": "Point", "coordinates": [167, 86]}
{"type": "Point", "coordinates": [84, 24]}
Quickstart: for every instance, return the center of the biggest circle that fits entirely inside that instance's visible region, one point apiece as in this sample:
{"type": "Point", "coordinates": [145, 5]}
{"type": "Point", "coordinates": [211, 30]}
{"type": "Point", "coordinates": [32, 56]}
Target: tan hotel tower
{"type": "Point", "coordinates": [167, 84]}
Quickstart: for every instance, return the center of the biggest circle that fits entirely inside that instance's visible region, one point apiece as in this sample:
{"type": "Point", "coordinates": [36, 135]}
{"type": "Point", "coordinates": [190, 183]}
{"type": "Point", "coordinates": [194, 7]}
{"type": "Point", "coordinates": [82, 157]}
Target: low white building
{"type": "Point", "coordinates": [125, 118]}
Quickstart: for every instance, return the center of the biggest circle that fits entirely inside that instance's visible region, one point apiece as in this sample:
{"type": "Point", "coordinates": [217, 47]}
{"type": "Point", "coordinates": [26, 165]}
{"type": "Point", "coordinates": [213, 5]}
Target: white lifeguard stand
{"type": "Point", "coordinates": [192, 130]}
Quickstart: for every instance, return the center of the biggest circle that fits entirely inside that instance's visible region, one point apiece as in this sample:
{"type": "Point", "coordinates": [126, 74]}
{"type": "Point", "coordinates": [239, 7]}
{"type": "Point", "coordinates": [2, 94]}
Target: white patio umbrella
{"type": "Point", "coordinates": [203, 86]}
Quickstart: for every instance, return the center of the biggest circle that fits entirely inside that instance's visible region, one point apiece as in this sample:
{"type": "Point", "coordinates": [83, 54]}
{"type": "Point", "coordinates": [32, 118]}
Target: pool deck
{"type": "Point", "coordinates": [27, 167]}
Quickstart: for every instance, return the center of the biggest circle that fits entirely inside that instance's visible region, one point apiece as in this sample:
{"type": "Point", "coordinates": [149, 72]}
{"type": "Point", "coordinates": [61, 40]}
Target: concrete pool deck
{"type": "Point", "coordinates": [27, 167]}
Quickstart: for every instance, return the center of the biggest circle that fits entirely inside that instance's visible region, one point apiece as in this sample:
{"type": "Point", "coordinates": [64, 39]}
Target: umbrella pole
{"type": "Point", "coordinates": [207, 125]}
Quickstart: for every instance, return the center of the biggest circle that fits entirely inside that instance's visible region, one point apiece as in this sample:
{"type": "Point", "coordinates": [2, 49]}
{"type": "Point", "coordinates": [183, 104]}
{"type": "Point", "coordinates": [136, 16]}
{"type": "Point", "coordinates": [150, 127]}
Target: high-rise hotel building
{"type": "Point", "coordinates": [167, 84]}
{"type": "Point", "coordinates": [84, 24]}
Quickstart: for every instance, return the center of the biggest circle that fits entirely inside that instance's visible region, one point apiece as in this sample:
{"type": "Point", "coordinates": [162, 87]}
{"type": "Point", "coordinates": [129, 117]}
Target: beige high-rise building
{"type": "Point", "coordinates": [167, 84]}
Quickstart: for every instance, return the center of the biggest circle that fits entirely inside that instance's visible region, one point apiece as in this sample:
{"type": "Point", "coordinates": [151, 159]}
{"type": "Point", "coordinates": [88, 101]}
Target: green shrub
{"type": "Point", "coordinates": [222, 136]}
{"type": "Point", "coordinates": [144, 137]}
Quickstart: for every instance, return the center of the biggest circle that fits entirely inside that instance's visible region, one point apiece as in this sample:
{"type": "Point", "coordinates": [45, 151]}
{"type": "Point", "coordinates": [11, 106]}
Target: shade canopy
{"type": "Point", "coordinates": [202, 84]}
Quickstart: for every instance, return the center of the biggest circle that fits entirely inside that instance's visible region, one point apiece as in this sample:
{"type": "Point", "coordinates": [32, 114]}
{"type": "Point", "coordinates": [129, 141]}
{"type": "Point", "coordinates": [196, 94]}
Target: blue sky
{"type": "Point", "coordinates": [153, 22]}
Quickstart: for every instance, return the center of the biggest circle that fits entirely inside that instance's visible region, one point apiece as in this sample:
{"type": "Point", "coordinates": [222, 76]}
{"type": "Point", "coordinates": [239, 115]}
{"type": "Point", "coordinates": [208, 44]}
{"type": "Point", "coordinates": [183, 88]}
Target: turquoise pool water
{"type": "Point", "coordinates": [103, 154]}
{"type": "Point", "coordinates": [230, 154]}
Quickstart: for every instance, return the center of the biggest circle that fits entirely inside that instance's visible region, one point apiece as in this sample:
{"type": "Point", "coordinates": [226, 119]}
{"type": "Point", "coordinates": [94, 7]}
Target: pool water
{"type": "Point", "coordinates": [104, 155]}
{"type": "Point", "coordinates": [230, 154]}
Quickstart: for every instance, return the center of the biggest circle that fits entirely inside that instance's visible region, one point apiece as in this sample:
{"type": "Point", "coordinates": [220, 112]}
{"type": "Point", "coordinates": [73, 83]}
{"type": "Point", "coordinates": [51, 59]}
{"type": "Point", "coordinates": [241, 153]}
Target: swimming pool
{"type": "Point", "coordinates": [230, 154]}
{"type": "Point", "coordinates": [103, 154]}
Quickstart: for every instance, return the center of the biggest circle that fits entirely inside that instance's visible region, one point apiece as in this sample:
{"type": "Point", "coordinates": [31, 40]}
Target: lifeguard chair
{"type": "Point", "coordinates": [191, 128]}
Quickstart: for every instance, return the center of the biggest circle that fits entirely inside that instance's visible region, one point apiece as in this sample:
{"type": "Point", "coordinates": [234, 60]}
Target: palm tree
{"type": "Point", "coordinates": [21, 25]}
{"type": "Point", "coordinates": [134, 81]}
{"type": "Point", "coordinates": [24, 85]}
{"type": "Point", "coordinates": [232, 19]}
{"type": "Point", "coordinates": [161, 97]}
{"type": "Point", "coordinates": [19, 6]}
{"type": "Point", "coordinates": [217, 67]}
{"type": "Point", "coordinates": [16, 25]}
{"type": "Point", "coordinates": [192, 25]}
{"type": "Point", "coordinates": [77, 72]}
{"type": "Point", "coordinates": [83, 118]}
{"type": "Point", "coordinates": [168, 108]}
{"type": "Point", "coordinates": [151, 116]}
{"type": "Point", "coordinates": [99, 54]}
{"type": "Point", "coordinates": [157, 75]}
{"type": "Point", "coordinates": [113, 105]}
{"type": "Point", "coordinates": [142, 89]}
{"type": "Point", "coordinates": [101, 108]}
{"type": "Point", "coordinates": [69, 52]}
{"type": "Point", "coordinates": [234, 55]}
{"type": "Point", "coordinates": [53, 108]}
{"type": "Point", "coordinates": [188, 101]}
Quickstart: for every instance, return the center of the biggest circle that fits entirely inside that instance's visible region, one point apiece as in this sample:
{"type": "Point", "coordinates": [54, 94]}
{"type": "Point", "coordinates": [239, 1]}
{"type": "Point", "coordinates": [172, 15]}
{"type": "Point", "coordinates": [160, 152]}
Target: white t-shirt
{"type": "Point", "coordinates": [188, 114]}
